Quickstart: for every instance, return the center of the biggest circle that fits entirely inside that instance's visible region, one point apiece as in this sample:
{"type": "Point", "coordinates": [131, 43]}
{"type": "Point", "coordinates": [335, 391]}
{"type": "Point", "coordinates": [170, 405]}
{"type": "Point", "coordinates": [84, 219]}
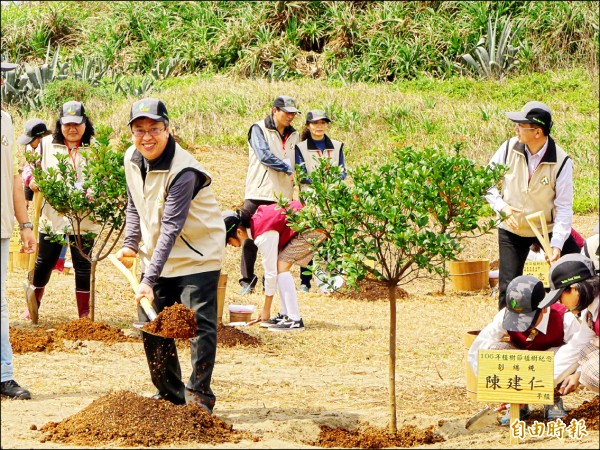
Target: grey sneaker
{"type": "Point", "coordinates": [288, 325]}
{"type": "Point", "coordinates": [274, 321]}
{"type": "Point", "coordinates": [246, 289]}
{"type": "Point", "coordinates": [556, 411]}
{"type": "Point", "coordinates": [304, 288]}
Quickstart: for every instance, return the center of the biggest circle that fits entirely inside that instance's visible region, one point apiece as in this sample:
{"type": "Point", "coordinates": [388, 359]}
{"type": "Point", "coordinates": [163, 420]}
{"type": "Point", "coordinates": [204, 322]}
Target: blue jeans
{"type": "Point", "coordinates": [6, 354]}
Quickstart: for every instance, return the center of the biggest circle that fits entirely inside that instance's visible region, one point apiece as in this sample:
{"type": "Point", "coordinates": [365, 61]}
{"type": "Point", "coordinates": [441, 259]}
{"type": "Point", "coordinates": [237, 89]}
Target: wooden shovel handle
{"type": "Point", "coordinates": [38, 199]}
{"type": "Point", "coordinates": [543, 238]}
{"type": "Point", "coordinates": [125, 271]}
{"type": "Point", "coordinates": [144, 302]}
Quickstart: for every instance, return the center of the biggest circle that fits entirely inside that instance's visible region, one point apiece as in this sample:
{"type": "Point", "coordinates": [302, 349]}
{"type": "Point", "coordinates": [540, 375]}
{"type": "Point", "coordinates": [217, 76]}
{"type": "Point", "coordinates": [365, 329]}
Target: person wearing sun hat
{"type": "Point", "coordinates": [271, 143]}
{"type": "Point", "coordinates": [13, 207]}
{"type": "Point", "coordinates": [575, 284]}
{"type": "Point", "coordinates": [316, 144]}
{"type": "Point", "coordinates": [539, 178]}
{"type": "Point", "coordinates": [529, 327]}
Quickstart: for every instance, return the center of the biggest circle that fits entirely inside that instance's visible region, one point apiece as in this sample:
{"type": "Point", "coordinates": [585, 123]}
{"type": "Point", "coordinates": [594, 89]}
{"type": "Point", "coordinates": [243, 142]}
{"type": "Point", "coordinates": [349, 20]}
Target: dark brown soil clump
{"type": "Point", "coordinates": [231, 336]}
{"type": "Point", "coordinates": [588, 411]}
{"type": "Point", "coordinates": [46, 340]}
{"type": "Point", "coordinates": [127, 419]}
{"type": "Point", "coordinates": [371, 437]}
{"type": "Point", "coordinates": [177, 322]}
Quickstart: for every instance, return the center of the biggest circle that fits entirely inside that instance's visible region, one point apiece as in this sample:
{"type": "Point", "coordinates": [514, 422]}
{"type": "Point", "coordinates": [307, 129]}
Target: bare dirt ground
{"type": "Point", "coordinates": [279, 390]}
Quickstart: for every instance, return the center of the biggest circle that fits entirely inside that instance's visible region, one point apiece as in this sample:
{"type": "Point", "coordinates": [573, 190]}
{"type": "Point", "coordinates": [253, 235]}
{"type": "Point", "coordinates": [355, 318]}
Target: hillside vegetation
{"type": "Point", "coordinates": [356, 41]}
{"type": "Point", "coordinates": [226, 68]}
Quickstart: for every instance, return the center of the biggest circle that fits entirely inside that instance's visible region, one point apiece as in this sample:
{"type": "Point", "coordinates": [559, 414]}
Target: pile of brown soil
{"type": "Point", "coordinates": [87, 330]}
{"type": "Point", "coordinates": [126, 419]}
{"type": "Point", "coordinates": [36, 340]}
{"type": "Point", "coordinates": [588, 411]}
{"type": "Point", "coordinates": [372, 437]}
{"type": "Point", "coordinates": [41, 340]}
{"type": "Point", "coordinates": [177, 322]}
{"type": "Point", "coordinates": [231, 336]}
{"type": "Point", "coordinates": [369, 290]}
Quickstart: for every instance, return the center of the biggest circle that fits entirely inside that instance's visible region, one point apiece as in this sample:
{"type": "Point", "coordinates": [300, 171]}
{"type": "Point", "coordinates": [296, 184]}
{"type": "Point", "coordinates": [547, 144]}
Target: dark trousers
{"type": "Point", "coordinates": [513, 251]}
{"type": "Point", "coordinates": [48, 254]}
{"type": "Point", "coordinates": [249, 249]}
{"type": "Point", "coordinates": [199, 293]}
{"type": "Point", "coordinates": [305, 279]}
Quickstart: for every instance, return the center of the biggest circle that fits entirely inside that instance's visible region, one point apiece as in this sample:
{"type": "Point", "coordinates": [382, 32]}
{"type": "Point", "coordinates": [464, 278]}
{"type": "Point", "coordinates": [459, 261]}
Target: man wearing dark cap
{"type": "Point", "coordinates": [271, 146]}
{"type": "Point", "coordinates": [529, 328]}
{"type": "Point", "coordinates": [13, 206]}
{"type": "Point", "coordinates": [172, 210]}
{"type": "Point", "coordinates": [539, 178]}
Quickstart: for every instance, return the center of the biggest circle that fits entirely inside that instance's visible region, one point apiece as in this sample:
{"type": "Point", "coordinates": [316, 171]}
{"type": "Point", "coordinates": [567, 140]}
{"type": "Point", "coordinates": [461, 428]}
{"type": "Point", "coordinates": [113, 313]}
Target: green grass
{"type": "Point", "coordinates": [215, 112]}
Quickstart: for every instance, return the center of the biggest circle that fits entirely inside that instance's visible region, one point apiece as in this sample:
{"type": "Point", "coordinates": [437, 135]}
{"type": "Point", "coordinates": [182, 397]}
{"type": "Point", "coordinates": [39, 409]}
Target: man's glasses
{"type": "Point", "coordinates": [152, 132]}
{"type": "Point", "coordinates": [523, 128]}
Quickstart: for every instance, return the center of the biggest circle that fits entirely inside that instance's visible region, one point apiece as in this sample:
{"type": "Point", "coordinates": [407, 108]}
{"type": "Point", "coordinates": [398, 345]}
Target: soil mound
{"type": "Point", "coordinates": [46, 340]}
{"type": "Point", "coordinates": [87, 330]}
{"type": "Point", "coordinates": [177, 322]}
{"type": "Point", "coordinates": [231, 336]}
{"type": "Point", "coordinates": [126, 419]}
{"type": "Point", "coordinates": [371, 437]}
{"type": "Point", "coordinates": [588, 411]}
{"type": "Point", "coordinates": [370, 291]}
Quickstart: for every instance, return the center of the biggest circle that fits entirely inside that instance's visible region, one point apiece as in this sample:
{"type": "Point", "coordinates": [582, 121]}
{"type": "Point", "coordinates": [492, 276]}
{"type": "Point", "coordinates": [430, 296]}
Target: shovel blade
{"type": "Point", "coordinates": [487, 416]}
{"type": "Point", "coordinates": [140, 326]}
{"type": "Point", "coordinates": [32, 304]}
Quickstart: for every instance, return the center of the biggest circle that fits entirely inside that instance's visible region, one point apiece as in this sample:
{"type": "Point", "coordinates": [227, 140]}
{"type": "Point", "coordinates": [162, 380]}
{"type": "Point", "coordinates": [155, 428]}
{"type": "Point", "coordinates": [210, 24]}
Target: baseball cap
{"type": "Point", "coordinates": [591, 250]}
{"type": "Point", "coordinates": [569, 269]}
{"type": "Point", "coordinates": [72, 112]}
{"type": "Point", "coordinates": [533, 112]}
{"type": "Point", "coordinates": [316, 114]}
{"type": "Point", "coordinates": [523, 296]}
{"type": "Point", "coordinates": [232, 222]}
{"type": "Point", "coordinates": [6, 66]}
{"type": "Point", "coordinates": [287, 104]}
{"type": "Point", "coordinates": [34, 128]}
{"type": "Point", "coordinates": [152, 108]}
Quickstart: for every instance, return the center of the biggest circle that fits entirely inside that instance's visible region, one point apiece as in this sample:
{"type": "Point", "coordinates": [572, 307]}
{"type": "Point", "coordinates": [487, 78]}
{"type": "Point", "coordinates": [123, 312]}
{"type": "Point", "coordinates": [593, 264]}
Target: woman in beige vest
{"type": "Point", "coordinates": [315, 144]}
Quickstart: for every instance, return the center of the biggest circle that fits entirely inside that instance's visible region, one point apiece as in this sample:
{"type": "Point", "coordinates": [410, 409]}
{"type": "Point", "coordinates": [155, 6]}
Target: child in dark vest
{"type": "Point", "coordinates": [529, 328]}
{"type": "Point", "coordinates": [575, 284]}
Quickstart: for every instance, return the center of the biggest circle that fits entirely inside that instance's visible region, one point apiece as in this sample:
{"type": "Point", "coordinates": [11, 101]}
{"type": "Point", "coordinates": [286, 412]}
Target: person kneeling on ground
{"type": "Point", "coordinates": [575, 283]}
{"type": "Point", "coordinates": [280, 247]}
{"type": "Point", "coordinates": [529, 328]}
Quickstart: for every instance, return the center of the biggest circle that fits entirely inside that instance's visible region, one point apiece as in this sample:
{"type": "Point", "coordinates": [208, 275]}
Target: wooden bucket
{"type": "Point", "coordinates": [471, 379]}
{"type": "Point", "coordinates": [470, 274]}
{"type": "Point", "coordinates": [239, 316]}
{"type": "Point", "coordinates": [221, 297]}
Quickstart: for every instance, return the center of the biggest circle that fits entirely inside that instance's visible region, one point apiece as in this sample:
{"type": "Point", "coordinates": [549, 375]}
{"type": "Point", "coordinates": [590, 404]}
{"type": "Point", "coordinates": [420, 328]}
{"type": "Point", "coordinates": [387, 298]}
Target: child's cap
{"type": "Point", "coordinates": [34, 128]}
{"type": "Point", "coordinates": [569, 269]}
{"type": "Point", "coordinates": [523, 295]}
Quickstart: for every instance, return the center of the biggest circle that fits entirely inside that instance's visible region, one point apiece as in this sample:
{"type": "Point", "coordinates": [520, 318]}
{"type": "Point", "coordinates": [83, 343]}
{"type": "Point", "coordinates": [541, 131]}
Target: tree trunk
{"type": "Point", "coordinates": [392, 360]}
{"type": "Point", "coordinates": [93, 288]}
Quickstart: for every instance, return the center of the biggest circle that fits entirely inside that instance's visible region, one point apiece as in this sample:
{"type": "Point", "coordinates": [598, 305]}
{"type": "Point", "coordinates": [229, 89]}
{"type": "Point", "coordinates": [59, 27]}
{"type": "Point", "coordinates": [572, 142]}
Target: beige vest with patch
{"type": "Point", "coordinates": [530, 195]}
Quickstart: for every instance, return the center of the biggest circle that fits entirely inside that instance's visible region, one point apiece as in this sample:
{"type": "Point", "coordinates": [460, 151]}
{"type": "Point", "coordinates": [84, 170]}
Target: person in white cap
{"type": "Point", "coordinates": [13, 206]}
{"type": "Point", "coordinates": [539, 178]}
{"type": "Point", "coordinates": [271, 143]}
{"type": "Point", "coordinates": [315, 144]}
{"type": "Point", "coordinates": [73, 134]}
